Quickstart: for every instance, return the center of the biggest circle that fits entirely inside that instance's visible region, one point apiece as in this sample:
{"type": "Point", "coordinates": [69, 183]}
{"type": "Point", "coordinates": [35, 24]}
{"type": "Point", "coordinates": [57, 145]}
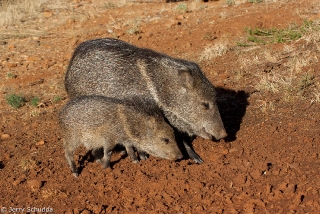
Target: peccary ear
{"type": "Point", "coordinates": [185, 79]}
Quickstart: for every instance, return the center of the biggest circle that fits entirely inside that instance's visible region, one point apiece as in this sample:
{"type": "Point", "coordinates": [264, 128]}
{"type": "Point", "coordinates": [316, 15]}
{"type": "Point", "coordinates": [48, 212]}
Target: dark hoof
{"type": "Point", "coordinates": [143, 155]}
{"type": "Point", "coordinates": [197, 159]}
{"type": "Point", "coordinates": [135, 161]}
{"type": "Point", "coordinates": [106, 165]}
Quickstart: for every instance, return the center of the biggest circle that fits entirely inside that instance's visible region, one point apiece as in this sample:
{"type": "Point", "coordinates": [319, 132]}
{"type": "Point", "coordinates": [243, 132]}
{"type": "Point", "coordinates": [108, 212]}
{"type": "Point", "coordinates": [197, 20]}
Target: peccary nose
{"type": "Point", "coordinates": [222, 134]}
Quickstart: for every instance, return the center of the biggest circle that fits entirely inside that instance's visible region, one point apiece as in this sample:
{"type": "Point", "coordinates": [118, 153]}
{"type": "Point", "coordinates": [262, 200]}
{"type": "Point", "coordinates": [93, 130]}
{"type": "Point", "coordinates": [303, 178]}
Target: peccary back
{"type": "Point", "coordinates": [97, 121]}
{"type": "Point", "coordinates": [114, 68]}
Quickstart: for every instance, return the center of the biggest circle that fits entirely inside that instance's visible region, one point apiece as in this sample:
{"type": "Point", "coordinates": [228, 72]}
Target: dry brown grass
{"type": "Point", "coordinates": [213, 50]}
{"type": "Point", "coordinates": [17, 11]}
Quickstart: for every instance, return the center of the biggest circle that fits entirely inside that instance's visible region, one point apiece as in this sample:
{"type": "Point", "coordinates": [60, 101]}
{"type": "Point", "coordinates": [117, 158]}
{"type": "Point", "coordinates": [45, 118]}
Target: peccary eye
{"type": "Point", "coordinates": [205, 105]}
{"type": "Point", "coordinates": [166, 140]}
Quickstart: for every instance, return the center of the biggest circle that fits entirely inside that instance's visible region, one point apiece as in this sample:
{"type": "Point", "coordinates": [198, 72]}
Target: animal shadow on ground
{"type": "Point", "coordinates": [88, 157]}
{"type": "Point", "coordinates": [232, 107]}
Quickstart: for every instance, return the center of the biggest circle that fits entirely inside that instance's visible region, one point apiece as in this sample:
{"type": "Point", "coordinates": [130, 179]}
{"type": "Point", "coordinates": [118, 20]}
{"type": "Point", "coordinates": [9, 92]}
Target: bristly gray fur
{"type": "Point", "coordinates": [97, 121]}
{"type": "Point", "coordinates": [114, 68]}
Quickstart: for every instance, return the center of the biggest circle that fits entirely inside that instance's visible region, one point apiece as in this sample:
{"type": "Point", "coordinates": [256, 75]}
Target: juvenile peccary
{"type": "Point", "coordinates": [97, 121]}
{"type": "Point", "coordinates": [113, 68]}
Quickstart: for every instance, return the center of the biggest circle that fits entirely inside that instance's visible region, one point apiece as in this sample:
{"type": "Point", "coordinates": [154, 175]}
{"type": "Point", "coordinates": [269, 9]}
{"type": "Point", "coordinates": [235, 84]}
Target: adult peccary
{"type": "Point", "coordinates": [97, 121]}
{"type": "Point", "coordinates": [113, 68]}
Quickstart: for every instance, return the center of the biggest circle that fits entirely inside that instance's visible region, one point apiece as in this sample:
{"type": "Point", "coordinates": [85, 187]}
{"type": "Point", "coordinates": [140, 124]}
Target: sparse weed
{"type": "Point", "coordinates": [11, 75]}
{"type": "Point", "coordinates": [135, 27]}
{"type": "Point", "coordinates": [56, 99]}
{"type": "Point", "coordinates": [242, 44]}
{"type": "Point", "coordinates": [305, 81]}
{"type": "Point", "coordinates": [316, 96]}
{"type": "Point", "coordinates": [202, 7]}
{"type": "Point", "coordinates": [28, 164]}
{"type": "Point", "coordinates": [275, 83]}
{"type": "Point", "coordinates": [309, 26]}
{"type": "Point", "coordinates": [35, 101]}
{"type": "Point", "coordinates": [110, 5]}
{"type": "Point", "coordinates": [15, 100]}
{"type": "Point", "coordinates": [259, 36]}
{"type": "Point", "coordinates": [215, 50]}
{"type": "Point", "coordinates": [115, 36]}
{"type": "Point", "coordinates": [132, 31]}
{"type": "Point", "coordinates": [182, 8]}
{"type": "Point", "coordinates": [266, 106]}
{"type": "Point", "coordinates": [230, 2]}
{"type": "Point", "coordinates": [208, 36]}
{"type": "Point", "coordinates": [255, 1]}
{"type": "Point", "coordinates": [35, 113]}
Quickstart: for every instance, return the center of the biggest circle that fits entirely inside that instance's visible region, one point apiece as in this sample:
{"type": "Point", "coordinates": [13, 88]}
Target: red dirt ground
{"type": "Point", "coordinates": [269, 163]}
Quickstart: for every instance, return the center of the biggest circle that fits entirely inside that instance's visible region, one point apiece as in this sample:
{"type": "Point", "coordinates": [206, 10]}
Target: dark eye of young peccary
{"type": "Point", "coordinates": [166, 140]}
{"type": "Point", "coordinates": [205, 105]}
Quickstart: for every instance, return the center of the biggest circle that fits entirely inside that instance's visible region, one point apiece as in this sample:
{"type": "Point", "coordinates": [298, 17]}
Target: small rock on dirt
{"type": "Point", "coordinates": [255, 174]}
{"type": "Point", "coordinates": [180, 17]}
{"type": "Point", "coordinates": [39, 143]}
{"type": "Point", "coordinates": [33, 58]}
{"type": "Point", "coordinates": [34, 185]}
{"type": "Point", "coordinates": [19, 180]}
{"type": "Point", "coordinates": [85, 212]}
{"type": "Point", "coordinates": [47, 14]}
{"type": "Point", "coordinates": [5, 136]}
{"type": "Point", "coordinates": [12, 64]}
{"type": "Point", "coordinates": [70, 21]}
{"type": "Point", "coordinates": [34, 42]}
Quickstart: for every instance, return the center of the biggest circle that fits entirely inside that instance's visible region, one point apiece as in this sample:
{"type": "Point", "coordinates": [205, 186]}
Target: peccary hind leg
{"type": "Point", "coordinates": [70, 160]}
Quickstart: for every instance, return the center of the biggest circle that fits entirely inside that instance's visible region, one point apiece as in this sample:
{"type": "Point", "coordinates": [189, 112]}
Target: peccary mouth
{"type": "Point", "coordinates": [204, 134]}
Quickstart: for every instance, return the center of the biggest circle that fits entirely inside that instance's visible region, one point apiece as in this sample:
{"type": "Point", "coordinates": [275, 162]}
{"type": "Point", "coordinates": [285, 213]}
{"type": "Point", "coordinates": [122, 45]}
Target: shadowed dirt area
{"type": "Point", "coordinates": [263, 58]}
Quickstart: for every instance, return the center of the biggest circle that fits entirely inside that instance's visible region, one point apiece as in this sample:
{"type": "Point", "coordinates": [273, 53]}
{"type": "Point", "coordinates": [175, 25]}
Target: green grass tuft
{"type": "Point", "coordinates": [182, 8]}
{"type": "Point", "coordinates": [35, 101]}
{"type": "Point", "coordinates": [15, 100]}
{"type": "Point", "coordinates": [259, 36]}
{"type": "Point", "coordinates": [255, 1]}
{"type": "Point", "coordinates": [56, 99]}
{"type": "Point", "coordinates": [11, 75]}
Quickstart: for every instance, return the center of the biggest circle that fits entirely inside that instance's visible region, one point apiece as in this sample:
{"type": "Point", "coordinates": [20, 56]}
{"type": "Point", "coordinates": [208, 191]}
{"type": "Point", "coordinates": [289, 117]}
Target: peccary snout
{"type": "Point", "coordinates": [215, 129]}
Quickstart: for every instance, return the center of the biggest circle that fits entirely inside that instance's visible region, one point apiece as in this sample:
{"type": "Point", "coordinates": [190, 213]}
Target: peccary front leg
{"type": "Point", "coordinates": [196, 158]}
{"type": "Point", "coordinates": [143, 155]}
{"type": "Point", "coordinates": [97, 153]}
{"type": "Point", "coordinates": [131, 153]}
